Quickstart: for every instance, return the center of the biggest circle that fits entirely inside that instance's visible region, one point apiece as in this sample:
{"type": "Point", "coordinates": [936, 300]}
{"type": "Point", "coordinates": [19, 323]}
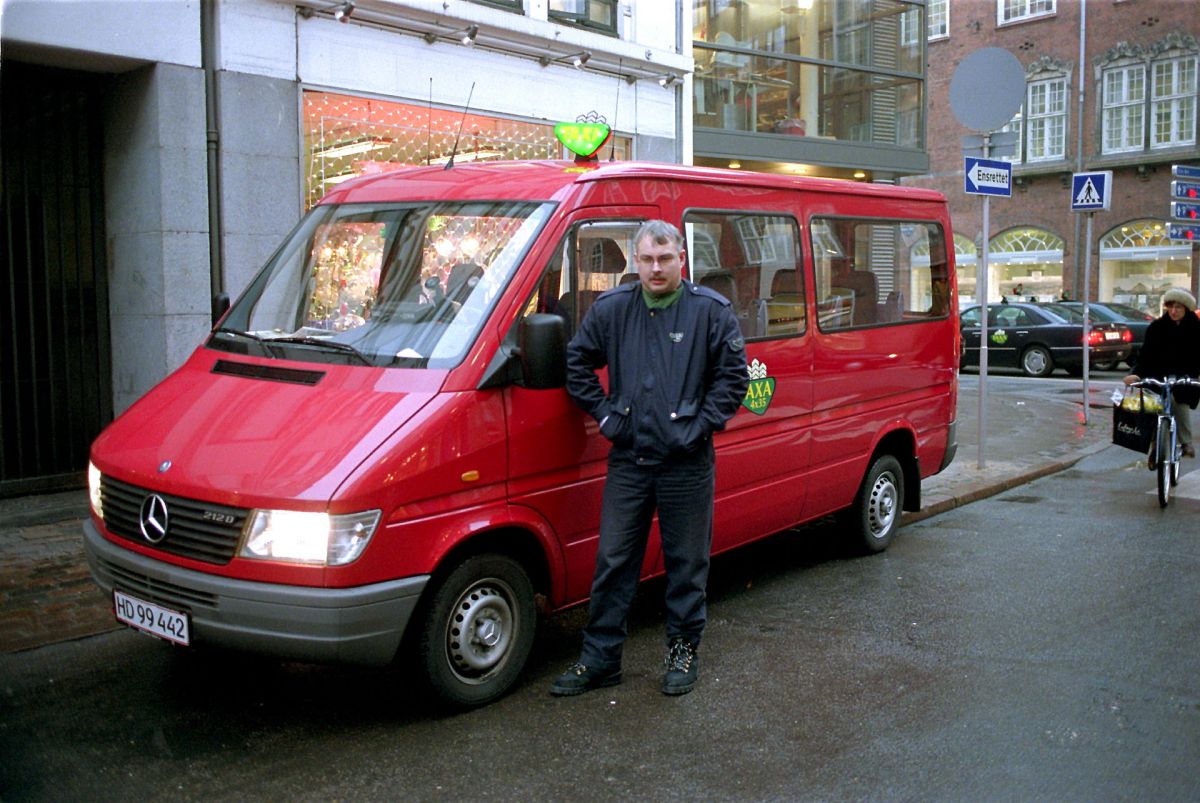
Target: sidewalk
{"type": "Point", "coordinates": [47, 594]}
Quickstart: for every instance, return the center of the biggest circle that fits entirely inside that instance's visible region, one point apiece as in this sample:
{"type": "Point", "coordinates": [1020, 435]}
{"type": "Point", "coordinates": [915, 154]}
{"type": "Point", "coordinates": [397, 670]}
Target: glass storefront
{"type": "Point", "coordinates": [347, 136]}
{"type": "Point", "coordinates": [1025, 264]}
{"type": "Point", "coordinates": [848, 70]}
{"type": "Point", "coordinates": [966, 268]}
{"type": "Point", "coordinates": [1138, 264]}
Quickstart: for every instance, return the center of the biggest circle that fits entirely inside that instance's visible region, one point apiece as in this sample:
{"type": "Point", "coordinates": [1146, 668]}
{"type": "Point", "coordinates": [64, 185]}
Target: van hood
{"type": "Point", "coordinates": [250, 433]}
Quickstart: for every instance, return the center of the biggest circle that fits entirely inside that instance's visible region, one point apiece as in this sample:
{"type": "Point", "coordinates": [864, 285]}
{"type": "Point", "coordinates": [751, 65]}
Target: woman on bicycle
{"type": "Point", "coordinates": [1172, 348]}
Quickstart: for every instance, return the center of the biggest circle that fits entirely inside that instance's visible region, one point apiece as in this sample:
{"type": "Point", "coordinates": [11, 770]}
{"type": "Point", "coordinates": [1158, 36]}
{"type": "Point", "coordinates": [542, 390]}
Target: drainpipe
{"type": "Point", "coordinates": [208, 50]}
{"type": "Point", "coordinates": [1079, 141]}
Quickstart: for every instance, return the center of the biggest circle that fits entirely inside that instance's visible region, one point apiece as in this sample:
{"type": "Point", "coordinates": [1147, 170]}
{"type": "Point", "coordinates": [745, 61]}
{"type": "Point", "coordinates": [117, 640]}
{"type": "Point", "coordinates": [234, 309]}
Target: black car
{"type": "Point", "coordinates": [1037, 338]}
{"type": "Point", "coordinates": [1134, 319]}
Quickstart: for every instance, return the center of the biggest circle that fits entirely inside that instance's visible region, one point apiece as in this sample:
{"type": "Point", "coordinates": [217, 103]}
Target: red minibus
{"type": "Point", "coordinates": [372, 455]}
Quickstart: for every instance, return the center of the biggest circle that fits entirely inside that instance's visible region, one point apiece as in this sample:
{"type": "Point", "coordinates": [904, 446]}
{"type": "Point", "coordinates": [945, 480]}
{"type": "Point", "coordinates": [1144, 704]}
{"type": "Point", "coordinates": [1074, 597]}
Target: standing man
{"type": "Point", "coordinates": [677, 373]}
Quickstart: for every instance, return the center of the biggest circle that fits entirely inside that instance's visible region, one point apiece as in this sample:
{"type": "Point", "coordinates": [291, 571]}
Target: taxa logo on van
{"type": "Point", "coordinates": [761, 390]}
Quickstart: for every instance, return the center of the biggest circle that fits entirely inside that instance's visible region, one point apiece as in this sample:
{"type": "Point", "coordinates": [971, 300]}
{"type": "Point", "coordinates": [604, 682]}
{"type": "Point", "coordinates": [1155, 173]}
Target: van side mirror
{"type": "Point", "coordinates": [543, 351]}
{"type": "Point", "coordinates": [220, 305]}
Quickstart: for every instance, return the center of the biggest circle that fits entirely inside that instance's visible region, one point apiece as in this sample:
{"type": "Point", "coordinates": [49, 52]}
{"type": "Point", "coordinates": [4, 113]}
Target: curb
{"type": "Point", "coordinates": [999, 486]}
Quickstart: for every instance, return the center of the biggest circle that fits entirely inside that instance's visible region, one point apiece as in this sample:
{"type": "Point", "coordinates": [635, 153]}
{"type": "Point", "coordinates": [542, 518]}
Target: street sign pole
{"type": "Point", "coordinates": [1090, 193]}
{"type": "Point", "coordinates": [1087, 289]}
{"type": "Point", "coordinates": [981, 292]}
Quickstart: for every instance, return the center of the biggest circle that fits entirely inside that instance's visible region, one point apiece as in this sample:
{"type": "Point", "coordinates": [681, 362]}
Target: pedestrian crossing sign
{"type": "Point", "coordinates": [1091, 192]}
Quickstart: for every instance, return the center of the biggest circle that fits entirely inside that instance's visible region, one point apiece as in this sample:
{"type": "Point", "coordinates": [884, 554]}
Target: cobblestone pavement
{"type": "Point", "coordinates": [47, 594]}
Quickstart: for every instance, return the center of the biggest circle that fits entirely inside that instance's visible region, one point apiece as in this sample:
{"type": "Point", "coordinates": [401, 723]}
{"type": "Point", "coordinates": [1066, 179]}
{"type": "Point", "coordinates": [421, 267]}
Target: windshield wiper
{"type": "Point", "coordinates": [320, 342]}
{"type": "Point", "coordinates": [266, 346]}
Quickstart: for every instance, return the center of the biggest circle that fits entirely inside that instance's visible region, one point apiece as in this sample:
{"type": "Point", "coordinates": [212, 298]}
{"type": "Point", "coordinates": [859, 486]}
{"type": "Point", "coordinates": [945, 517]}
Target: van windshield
{"type": "Point", "coordinates": [406, 285]}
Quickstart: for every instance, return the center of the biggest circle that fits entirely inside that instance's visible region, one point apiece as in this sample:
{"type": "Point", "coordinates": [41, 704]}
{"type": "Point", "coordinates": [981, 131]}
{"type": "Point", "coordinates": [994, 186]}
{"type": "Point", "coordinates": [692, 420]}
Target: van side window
{"type": "Point", "coordinates": [871, 272]}
{"type": "Point", "coordinates": [594, 257]}
{"type": "Point", "coordinates": [754, 260]}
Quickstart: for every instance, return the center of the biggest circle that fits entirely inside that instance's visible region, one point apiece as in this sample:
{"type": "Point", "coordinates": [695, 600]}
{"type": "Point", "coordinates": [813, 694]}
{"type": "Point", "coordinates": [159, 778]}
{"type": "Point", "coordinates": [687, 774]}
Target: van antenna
{"type": "Point", "coordinates": [462, 120]}
{"type": "Point", "coordinates": [612, 151]}
{"type": "Point", "coordinates": [429, 125]}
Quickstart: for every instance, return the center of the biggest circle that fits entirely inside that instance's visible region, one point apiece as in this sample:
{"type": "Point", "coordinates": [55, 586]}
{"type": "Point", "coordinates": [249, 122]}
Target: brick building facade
{"type": "Point", "coordinates": [1138, 119]}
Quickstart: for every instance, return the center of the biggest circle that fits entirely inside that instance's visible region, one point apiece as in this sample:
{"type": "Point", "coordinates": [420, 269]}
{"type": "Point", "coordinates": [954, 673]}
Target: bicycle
{"type": "Point", "coordinates": [1165, 440]}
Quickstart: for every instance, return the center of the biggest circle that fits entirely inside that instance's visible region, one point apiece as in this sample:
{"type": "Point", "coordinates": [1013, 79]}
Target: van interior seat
{"type": "Point", "coordinates": [462, 280]}
{"type": "Point", "coordinates": [723, 283]}
{"type": "Point", "coordinates": [785, 308]}
{"type": "Point", "coordinates": [598, 255]}
{"type": "Point", "coordinates": [865, 287]}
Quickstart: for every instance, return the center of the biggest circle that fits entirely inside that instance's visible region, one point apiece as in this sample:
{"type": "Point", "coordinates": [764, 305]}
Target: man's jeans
{"type": "Point", "coordinates": [682, 492]}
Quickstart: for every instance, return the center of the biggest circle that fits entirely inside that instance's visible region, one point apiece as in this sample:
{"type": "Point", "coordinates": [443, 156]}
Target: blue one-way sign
{"type": "Point", "coordinates": [987, 177]}
{"type": "Point", "coordinates": [1091, 191]}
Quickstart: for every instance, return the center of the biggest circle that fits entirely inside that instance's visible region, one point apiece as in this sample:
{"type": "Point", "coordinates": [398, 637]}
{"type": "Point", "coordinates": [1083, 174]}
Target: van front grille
{"type": "Point", "coordinates": [150, 589]}
{"type": "Point", "coordinates": [198, 530]}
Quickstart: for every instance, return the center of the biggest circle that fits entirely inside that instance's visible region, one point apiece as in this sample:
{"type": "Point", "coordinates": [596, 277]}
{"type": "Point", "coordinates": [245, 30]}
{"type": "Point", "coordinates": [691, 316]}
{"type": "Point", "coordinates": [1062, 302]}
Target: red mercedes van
{"type": "Point", "coordinates": [372, 454]}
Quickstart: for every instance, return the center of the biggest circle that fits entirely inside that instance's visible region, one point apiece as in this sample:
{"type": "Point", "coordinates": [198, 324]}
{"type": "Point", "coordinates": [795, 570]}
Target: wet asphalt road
{"type": "Point", "coordinates": [1041, 644]}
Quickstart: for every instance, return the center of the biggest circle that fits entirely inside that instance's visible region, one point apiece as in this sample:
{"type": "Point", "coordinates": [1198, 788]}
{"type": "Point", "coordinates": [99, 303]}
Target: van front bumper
{"type": "Point", "coordinates": [361, 625]}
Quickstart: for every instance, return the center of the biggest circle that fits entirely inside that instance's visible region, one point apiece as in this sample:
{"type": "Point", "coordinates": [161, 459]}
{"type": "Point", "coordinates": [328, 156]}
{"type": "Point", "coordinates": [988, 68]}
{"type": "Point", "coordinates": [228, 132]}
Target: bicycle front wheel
{"type": "Point", "coordinates": [1162, 449]}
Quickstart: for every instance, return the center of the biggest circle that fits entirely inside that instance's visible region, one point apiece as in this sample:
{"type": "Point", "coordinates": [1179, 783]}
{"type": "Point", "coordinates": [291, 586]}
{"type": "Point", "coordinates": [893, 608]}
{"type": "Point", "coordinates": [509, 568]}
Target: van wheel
{"type": "Point", "coordinates": [875, 515]}
{"type": "Point", "coordinates": [1036, 361]}
{"type": "Point", "coordinates": [478, 631]}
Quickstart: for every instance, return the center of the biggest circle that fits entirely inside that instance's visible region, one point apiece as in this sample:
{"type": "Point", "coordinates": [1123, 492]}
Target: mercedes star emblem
{"type": "Point", "coordinates": [154, 518]}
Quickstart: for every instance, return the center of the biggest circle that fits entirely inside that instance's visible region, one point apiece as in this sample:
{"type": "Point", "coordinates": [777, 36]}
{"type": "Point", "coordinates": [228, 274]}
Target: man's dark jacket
{"type": "Point", "coordinates": [675, 375]}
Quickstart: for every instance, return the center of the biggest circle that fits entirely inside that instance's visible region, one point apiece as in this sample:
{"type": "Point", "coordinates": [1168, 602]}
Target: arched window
{"type": "Point", "coordinates": [1138, 264]}
{"type": "Point", "coordinates": [1025, 262]}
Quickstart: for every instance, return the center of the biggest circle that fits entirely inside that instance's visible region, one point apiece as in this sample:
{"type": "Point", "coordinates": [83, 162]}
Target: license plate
{"type": "Point", "coordinates": [153, 619]}
{"type": "Point", "coordinates": [1112, 335]}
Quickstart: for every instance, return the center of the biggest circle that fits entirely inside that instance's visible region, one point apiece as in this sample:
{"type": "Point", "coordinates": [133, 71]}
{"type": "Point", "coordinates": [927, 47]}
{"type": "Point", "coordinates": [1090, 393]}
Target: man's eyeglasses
{"type": "Point", "coordinates": [648, 261]}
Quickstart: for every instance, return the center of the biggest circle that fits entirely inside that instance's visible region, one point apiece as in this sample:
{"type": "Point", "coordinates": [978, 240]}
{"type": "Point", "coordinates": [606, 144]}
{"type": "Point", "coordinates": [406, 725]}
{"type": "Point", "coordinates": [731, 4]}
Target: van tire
{"type": "Point", "coordinates": [875, 515]}
{"type": "Point", "coordinates": [478, 630]}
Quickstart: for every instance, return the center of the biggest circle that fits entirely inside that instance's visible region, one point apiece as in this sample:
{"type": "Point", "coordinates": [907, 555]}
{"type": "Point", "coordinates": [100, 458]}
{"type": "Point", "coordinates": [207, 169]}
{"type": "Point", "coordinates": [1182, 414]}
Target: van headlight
{"type": "Point", "coordinates": [94, 490]}
{"type": "Point", "coordinates": [315, 538]}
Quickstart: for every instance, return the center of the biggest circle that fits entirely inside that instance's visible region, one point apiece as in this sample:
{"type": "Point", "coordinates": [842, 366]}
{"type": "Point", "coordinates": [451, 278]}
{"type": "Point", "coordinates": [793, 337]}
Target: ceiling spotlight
{"type": "Point", "coordinates": [344, 11]}
{"type": "Point", "coordinates": [577, 59]}
{"type": "Point", "coordinates": [668, 80]}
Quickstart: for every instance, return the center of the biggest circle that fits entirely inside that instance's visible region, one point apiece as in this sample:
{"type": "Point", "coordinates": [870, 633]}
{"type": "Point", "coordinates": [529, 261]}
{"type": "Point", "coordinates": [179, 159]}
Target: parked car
{"type": "Point", "coordinates": [1037, 338]}
{"type": "Point", "coordinates": [1131, 317]}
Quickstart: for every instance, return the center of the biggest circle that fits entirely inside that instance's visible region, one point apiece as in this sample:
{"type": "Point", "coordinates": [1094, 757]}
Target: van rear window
{"type": "Point", "coordinates": [870, 272]}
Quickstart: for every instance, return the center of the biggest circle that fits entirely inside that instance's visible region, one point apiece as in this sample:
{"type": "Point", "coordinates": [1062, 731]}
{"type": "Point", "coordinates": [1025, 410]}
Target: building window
{"type": "Point", "coordinates": [910, 24]}
{"type": "Point", "coordinates": [831, 70]}
{"type": "Point", "coordinates": [1046, 120]}
{"type": "Point", "coordinates": [1173, 103]}
{"type": "Point", "coordinates": [937, 13]}
{"type": "Point", "coordinates": [507, 5]}
{"type": "Point", "coordinates": [599, 15]}
{"type": "Point", "coordinates": [1014, 126]}
{"type": "Point", "coordinates": [1019, 10]}
{"type": "Point", "coordinates": [1124, 99]}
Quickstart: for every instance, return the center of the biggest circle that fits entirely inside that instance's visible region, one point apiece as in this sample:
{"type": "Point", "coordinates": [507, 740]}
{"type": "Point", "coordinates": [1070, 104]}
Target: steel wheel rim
{"type": "Point", "coordinates": [882, 505]}
{"type": "Point", "coordinates": [481, 630]}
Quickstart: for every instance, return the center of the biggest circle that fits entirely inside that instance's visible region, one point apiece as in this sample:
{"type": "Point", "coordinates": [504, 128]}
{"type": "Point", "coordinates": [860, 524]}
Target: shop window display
{"type": "Point", "coordinates": [347, 136]}
{"type": "Point", "coordinates": [1138, 264]}
{"type": "Point", "coordinates": [1025, 264]}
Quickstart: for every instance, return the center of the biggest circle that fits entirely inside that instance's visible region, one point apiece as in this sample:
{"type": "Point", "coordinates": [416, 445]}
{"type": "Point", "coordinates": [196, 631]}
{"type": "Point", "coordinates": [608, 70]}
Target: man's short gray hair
{"type": "Point", "coordinates": [660, 232]}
